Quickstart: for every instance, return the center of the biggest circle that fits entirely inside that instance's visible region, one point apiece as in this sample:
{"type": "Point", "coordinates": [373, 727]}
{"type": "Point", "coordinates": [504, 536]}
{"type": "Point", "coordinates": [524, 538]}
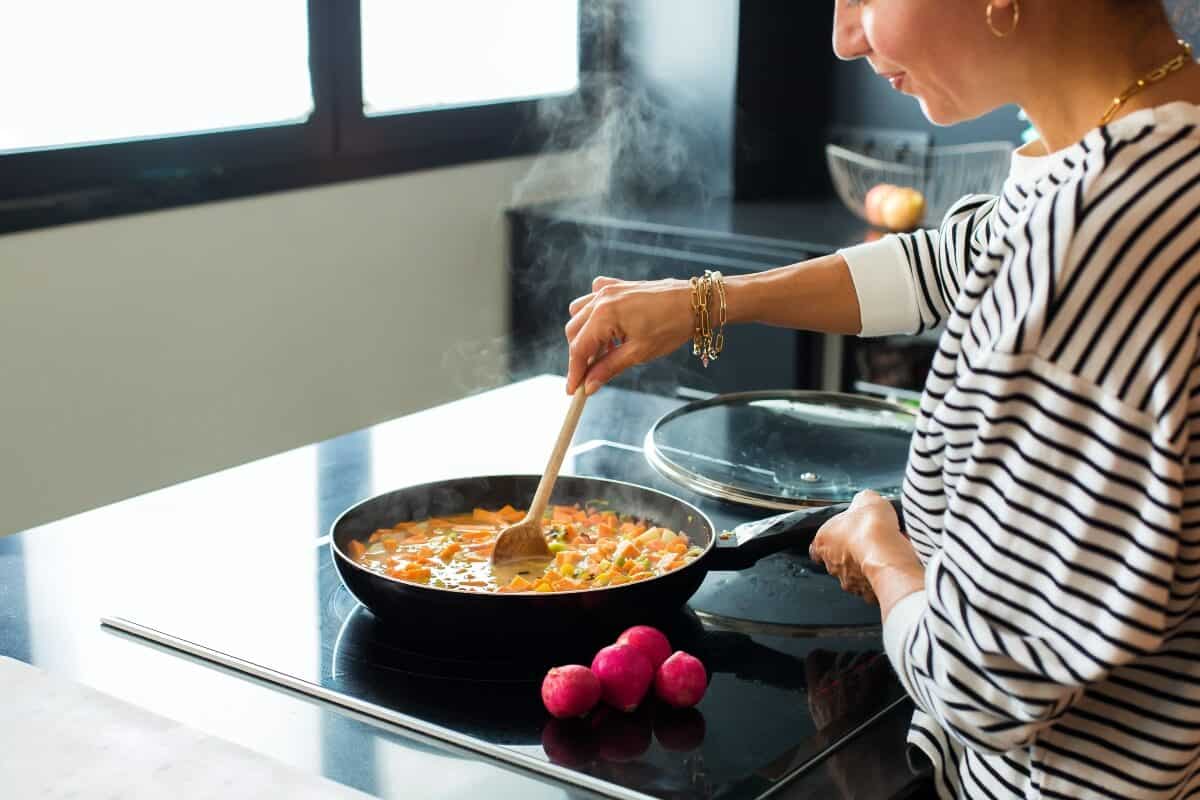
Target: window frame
{"type": "Point", "coordinates": [338, 142]}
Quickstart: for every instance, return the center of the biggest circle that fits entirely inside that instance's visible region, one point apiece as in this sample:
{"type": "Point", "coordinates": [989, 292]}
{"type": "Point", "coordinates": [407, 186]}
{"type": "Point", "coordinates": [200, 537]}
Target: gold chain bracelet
{"type": "Point", "coordinates": [708, 291]}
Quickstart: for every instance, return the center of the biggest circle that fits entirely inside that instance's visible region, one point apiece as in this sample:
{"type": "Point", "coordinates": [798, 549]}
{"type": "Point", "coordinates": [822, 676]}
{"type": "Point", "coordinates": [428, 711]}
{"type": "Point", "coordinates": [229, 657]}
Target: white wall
{"type": "Point", "coordinates": [144, 350]}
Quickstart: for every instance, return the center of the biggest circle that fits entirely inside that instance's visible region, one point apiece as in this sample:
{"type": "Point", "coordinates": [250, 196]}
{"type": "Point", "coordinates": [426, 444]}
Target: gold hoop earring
{"type": "Point", "coordinates": [999, 34]}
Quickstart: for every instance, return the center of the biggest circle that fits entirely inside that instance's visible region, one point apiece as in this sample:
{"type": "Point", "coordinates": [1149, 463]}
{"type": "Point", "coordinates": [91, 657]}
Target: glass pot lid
{"type": "Point", "coordinates": [783, 449]}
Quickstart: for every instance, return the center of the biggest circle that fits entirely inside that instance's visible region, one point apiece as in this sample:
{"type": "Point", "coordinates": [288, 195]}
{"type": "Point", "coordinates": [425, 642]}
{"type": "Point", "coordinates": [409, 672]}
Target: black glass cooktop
{"type": "Point", "coordinates": [795, 669]}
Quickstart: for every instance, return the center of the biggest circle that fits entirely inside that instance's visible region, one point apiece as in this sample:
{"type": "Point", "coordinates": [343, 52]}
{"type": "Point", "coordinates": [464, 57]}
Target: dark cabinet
{"type": "Point", "coordinates": [555, 256]}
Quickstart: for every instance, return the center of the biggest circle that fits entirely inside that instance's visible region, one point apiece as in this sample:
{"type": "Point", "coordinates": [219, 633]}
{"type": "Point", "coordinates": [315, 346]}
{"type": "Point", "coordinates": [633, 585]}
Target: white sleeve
{"type": "Point", "coordinates": [898, 629]}
{"type": "Point", "coordinates": [887, 299]}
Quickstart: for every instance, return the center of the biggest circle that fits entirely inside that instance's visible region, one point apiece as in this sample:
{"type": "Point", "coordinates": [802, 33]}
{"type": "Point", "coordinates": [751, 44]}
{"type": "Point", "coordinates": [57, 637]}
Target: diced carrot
{"type": "Point", "coordinates": [449, 550]}
{"type": "Point", "coordinates": [412, 574]}
{"type": "Point", "coordinates": [677, 546]}
{"type": "Point", "coordinates": [483, 515]}
{"type": "Point", "coordinates": [618, 579]}
{"type": "Point", "coordinates": [656, 545]}
{"type": "Point", "coordinates": [567, 557]}
{"type": "Point", "coordinates": [626, 549]}
{"type": "Point", "coordinates": [542, 587]}
{"type": "Point", "coordinates": [641, 576]}
{"type": "Point", "coordinates": [390, 544]}
{"type": "Point", "coordinates": [510, 514]}
{"type": "Point", "coordinates": [519, 584]}
{"type": "Point", "coordinates": [562, 514]}
{"type": "Point", "coordinates": [357, 549]}
{"type": "Point", "coordinates": [604, 531]}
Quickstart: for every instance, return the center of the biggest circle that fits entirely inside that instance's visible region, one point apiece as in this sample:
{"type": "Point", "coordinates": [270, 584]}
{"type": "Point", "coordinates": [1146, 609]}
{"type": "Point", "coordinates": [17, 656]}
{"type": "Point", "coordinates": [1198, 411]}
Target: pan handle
{"type": "Point", "coordinates": [747, 543]}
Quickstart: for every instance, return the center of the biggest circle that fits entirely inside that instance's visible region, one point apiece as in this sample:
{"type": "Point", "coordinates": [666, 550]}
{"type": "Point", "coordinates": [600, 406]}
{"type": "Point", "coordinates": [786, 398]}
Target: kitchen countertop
{"type": "Point", "coordinates": [819, 225]}
{"type": "Point", "coordinates": [58, 580]}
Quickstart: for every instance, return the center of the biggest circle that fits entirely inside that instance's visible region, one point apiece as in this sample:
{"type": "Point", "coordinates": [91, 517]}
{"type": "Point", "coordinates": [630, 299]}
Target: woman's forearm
{"type": "Point", "coordinates": [892, 568]}
{"type": "Point", "coordinates": [816, 295]}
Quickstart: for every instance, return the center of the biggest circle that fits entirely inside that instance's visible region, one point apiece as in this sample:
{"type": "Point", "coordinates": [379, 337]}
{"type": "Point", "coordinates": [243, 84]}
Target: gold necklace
{"type": "Point", "coordinates": [1154, 76]}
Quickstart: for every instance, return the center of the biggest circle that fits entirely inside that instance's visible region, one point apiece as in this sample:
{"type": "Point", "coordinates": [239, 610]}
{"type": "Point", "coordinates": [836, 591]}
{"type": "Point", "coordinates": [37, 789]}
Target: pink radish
{"type": "Point", "coordinates": [625, 675]}
{"type": "Point", "coordinates": [570, 691]}
{"type": "Point", "coordinates": [681, 680]}
{"type": "Point", "coordinates": [651, 641]}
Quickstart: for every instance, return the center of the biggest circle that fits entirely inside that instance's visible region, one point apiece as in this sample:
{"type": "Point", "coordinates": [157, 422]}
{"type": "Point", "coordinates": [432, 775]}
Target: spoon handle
{"type": "Point", "coordinates": [542, 496]}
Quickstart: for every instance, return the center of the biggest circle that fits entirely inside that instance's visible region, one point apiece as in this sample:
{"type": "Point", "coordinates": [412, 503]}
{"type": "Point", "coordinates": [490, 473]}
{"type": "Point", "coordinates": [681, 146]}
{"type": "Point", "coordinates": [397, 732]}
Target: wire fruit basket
{"type": "Point", "coordinates": [945, 175]}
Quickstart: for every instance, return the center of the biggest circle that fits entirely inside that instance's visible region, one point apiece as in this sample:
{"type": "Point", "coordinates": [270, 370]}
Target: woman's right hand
{"type": "Point", "coordinates": [623, 323]}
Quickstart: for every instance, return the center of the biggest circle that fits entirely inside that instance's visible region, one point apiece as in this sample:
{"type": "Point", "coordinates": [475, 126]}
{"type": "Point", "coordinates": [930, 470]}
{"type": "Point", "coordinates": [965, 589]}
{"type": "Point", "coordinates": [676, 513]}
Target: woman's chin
{"type": "Point", "coordinates": [940, 115]}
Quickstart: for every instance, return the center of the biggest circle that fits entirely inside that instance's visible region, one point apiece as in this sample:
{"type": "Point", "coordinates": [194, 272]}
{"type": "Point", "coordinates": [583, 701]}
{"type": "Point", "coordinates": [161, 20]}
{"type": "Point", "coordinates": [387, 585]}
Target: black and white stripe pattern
{"type": "Point", "coordinates": [1053, 488]}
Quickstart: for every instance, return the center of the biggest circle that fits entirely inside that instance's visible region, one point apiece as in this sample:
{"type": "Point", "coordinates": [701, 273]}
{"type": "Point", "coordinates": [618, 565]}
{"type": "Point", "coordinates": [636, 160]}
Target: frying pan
{"type": "Point", "coordinates": [456, 613]}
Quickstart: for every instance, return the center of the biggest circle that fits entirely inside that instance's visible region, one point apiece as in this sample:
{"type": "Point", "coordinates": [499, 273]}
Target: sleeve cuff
{"type": "Point", "coordinates": [883, 282]}
{"type": "Point", "coordinates": [898, 628]}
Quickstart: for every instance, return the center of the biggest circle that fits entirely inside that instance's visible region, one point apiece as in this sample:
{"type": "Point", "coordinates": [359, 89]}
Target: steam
{"type": "Point", "coordinates": [616, 145]}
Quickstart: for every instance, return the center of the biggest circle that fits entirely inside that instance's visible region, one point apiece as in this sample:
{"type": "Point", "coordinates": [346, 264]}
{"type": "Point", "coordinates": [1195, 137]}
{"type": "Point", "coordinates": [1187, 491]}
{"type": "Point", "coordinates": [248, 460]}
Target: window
{"type": "Point", "coordinates": [418, 56]}
{"type": "Point", "coordinates": [127, 105]}
{"type": "Point", "coordinates": [85, 72]}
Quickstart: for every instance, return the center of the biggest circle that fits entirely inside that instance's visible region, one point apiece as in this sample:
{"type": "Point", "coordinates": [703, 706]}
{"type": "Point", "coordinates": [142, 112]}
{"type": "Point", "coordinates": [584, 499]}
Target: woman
{"type": "Point", "coordinates": [1040, 607]}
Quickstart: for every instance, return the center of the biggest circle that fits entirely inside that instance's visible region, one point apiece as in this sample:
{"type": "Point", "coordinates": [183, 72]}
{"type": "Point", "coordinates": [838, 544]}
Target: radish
{"type": "Point", "coordinates": [681, 680]}
{"type": "Point", "coordinates": [651, 641]}
{"type": "Point", "coordinates": [625, 675]}
{"type": "Point", "coordinates": [570, 691]}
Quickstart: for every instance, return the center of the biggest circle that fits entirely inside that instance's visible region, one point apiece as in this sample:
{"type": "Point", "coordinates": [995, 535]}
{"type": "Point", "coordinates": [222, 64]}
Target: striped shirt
{"type": "Point", "coordinates": [1053, 484]}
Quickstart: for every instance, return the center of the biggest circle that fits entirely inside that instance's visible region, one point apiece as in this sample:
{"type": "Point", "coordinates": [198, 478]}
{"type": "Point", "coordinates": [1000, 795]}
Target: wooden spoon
{"type": "Point", "coordinates": [524, 540]}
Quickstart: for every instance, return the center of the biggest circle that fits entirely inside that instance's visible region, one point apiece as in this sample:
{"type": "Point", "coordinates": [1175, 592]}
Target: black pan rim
{"type": "Point", "coordinates": [341, 558]}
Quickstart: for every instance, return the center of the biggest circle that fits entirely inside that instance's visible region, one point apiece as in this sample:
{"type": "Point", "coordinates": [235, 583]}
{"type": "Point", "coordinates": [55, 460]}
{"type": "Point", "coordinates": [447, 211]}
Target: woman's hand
{"type": "Point", "coordinates": [864, 549]}
{"type": "Point", "coordinates": [623, 323]}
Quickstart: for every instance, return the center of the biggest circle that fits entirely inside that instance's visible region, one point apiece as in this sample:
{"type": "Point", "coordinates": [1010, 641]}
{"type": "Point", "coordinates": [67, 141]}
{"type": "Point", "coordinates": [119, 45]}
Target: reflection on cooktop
{"type": "Point", "coordinates": [758, 726]}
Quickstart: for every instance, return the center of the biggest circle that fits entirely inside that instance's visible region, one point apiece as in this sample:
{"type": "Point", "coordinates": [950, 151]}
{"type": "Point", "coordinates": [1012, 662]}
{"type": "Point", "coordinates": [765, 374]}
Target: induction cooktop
{"type": "Point", "coordinates": [796, 669]}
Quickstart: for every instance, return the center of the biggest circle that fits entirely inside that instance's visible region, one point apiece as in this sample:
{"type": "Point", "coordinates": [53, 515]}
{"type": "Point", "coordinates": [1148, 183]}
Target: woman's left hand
{"type": "Point", "coordinates": [868, 528]}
